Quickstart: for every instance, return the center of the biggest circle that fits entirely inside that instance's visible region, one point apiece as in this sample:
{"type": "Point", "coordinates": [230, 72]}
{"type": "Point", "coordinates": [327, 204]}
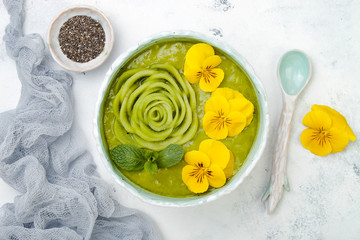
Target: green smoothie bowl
{"type": "Point", "coordinates": [181, 119]}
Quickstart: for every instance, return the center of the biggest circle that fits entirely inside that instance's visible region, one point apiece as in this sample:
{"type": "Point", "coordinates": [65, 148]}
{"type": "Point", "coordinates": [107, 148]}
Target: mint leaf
{"type": "Point", "coordinates": [128, 157]}
{"type": "Point", "coordinates": [151, 167]}
{"type": "Point", "coordinates": [170, 156]}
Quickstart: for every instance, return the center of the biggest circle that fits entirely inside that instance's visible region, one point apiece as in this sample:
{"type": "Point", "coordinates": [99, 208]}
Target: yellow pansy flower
{"type": "Point", "coordinates": [200, 67]}
{"type": "Point", "coordinates": [338, 119]}
{"type": "Point", "coordinates": [206, 166]}
{"type": "Point", "coordinates": [328, 131]}
{"type": "Point", "coordinates": [227, 113]}
{"type": "Point", "coordinates": [219, 122]}
{"type": "Point", "coordinates": [237, 101]}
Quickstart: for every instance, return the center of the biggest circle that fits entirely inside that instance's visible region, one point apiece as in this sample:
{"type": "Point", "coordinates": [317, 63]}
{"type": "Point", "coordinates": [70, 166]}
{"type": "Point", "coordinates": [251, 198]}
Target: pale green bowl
{"type": "Point", "coordinates": [252, 157]}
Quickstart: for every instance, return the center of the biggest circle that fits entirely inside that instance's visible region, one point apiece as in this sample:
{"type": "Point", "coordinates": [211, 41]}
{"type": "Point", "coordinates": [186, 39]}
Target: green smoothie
{"type": "Point", "coordinates": [168, 181]}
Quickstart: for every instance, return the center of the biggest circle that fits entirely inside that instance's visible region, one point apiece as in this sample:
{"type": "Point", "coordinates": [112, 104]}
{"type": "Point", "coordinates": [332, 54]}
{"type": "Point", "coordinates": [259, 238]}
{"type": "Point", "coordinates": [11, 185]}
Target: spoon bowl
{"type": "Point", "coordinates": [294, 72]}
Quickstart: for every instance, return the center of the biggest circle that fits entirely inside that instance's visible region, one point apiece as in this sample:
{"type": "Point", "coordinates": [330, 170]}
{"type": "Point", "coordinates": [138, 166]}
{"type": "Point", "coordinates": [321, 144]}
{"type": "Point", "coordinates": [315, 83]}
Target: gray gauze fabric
{"type": "Point", "coordinates": [42, 156]}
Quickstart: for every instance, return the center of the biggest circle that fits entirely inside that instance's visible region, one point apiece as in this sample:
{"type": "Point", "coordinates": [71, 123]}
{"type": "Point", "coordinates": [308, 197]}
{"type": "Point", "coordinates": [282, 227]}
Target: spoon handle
{"type": "Point", "coordinates": [278, 180]}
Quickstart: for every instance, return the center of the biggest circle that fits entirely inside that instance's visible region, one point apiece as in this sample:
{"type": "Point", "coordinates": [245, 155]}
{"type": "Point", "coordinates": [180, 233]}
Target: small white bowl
{"type": "Point", "coordinates": [54, 45]}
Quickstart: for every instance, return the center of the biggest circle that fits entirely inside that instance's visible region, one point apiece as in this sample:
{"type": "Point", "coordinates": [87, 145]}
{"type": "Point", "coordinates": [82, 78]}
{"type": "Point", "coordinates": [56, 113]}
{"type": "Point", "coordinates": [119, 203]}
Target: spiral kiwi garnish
{"type": "Point", "coordinates": [154, 107]}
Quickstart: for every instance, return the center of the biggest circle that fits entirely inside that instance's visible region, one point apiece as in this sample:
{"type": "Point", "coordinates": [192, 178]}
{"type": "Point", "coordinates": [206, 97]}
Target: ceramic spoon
{"type": "Point", "coordinates": [294, 71]}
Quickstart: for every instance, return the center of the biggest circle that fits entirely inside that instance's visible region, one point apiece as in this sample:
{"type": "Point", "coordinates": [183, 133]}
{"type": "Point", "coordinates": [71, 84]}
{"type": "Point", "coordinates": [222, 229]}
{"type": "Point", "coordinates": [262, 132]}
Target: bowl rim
{"type": "Point", "coordinates": [253, 156]}
{"type": "Point", "coordinates": [72, 65]}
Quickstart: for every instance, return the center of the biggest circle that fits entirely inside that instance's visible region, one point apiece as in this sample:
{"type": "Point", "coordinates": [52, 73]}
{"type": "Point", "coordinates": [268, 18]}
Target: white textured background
{"type": "Point", "coordinates": [324, 201]}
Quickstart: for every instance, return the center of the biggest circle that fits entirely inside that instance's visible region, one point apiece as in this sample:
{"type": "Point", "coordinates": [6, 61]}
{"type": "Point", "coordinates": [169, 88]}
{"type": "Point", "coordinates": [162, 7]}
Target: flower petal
{"type": "Point", "coordinates": [211, 80]}
{"type": "Point", "coordinates": [211, 62]}
{"type": "Point", "coordinates": [235, 123]}
{"type": "Point", "coordinates": [195, 184]}
{"type": "Point", "coordinates": [229, 169]}
{"type": "Point", "coordinates": [217, 104]}
{"type": "Point", "coordinates": [339, 121]}
{"type": "Point", "coordinates": [218, 153]}
{"type": "Point", "coordinates": [228, 93]}
{"type": "Point", "coordinates": [216, 176]}
{"type": "Point", "coordinates": [193, 75]}
{"type": "Point", "coordinates": [338, 139]}
{"type": "Point", "coordinates": [214, 126]}
{"type": "Point", "coordinates": [308, 140]}
{"type": "Point", "coordinates": [244, 106]}
{"type": "Point", "coordinates": [197, 54]}
{"type": "Point", "coordinates": [317, 120]}
{"type": "Point", "coordinates": [197, 158]}
{"type": "Point", "coordinates": [188, 172]}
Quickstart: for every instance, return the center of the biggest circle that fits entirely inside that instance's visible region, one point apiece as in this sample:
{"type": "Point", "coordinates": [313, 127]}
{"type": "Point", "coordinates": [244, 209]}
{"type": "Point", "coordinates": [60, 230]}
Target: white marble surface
{"type": "Point", "coordinates": [324, 201]}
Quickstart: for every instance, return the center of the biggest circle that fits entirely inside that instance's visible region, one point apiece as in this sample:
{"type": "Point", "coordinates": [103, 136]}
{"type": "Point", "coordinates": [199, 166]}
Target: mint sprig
{"type": "Point", "coordinates": [132, 158]}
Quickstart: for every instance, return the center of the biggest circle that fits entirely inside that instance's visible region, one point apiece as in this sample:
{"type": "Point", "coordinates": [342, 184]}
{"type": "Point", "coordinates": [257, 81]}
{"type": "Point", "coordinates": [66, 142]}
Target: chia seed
{"type": "Point", "coordinates": [81, 38]}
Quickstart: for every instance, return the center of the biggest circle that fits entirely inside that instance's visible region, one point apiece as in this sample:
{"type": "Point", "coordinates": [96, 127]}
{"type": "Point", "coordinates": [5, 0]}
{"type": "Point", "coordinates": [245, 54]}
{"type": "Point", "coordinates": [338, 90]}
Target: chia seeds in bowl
{"type": "Point", "coordinates": [80, 38]}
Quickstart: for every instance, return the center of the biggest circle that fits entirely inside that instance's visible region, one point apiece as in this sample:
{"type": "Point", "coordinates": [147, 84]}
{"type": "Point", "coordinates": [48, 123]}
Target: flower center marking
{"type": "Point", "coordinates": [207, 74]}
{"type": "Point", "coordinates": [221, 120]}
{"type": "Point", "coordinates": [322, 136]}
{"type": "Point", "coordinates": [201, 172]}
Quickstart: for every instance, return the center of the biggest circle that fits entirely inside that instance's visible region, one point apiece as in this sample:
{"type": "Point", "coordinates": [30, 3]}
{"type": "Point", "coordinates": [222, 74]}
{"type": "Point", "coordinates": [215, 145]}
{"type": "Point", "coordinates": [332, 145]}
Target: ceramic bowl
{"type": "Point", "coordinates": [252, 157]}
{"type": "Point", "coordinates": [54, 45]}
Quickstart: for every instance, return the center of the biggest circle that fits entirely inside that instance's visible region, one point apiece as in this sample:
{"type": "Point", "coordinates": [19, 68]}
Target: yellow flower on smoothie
{"type": "Point", "coordinates": [227, 113]}
{"type": "Point", "coordinates": [200, 67]}
{"type": "Point", "coordinates": [237, 101]}
{"type": "Point", "coordinates": [327, 132]}
{"type": "Point", "coordinates": [209, 166]}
